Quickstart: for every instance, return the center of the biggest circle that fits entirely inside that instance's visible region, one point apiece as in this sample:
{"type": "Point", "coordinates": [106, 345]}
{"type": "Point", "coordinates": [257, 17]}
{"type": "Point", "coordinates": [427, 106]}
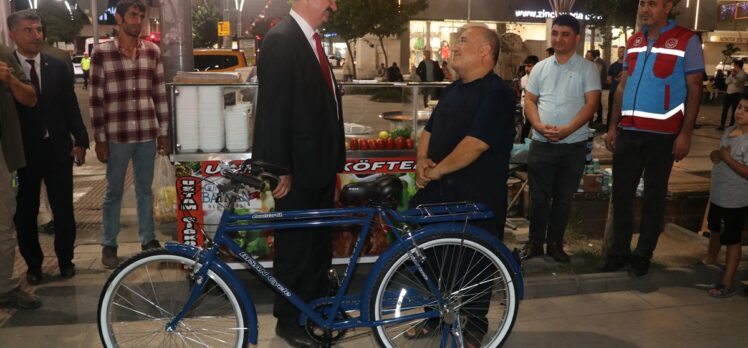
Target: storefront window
{"type": "Point", "coordinates": [439, 38]}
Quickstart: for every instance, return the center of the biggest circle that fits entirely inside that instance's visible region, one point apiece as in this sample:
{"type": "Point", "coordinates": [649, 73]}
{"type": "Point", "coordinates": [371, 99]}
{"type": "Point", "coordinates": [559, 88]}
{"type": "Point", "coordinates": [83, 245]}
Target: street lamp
{"type": "Point", "coordinates": [561, 6]}
{"type": "Point", "coordinates": [239, 7]}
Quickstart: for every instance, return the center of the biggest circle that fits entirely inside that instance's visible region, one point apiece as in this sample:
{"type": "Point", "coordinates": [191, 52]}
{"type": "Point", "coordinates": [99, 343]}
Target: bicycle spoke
{"type": "Point", "coordinates": [149, 295]}
{"type": "Point", "coordinates": [471, 279]}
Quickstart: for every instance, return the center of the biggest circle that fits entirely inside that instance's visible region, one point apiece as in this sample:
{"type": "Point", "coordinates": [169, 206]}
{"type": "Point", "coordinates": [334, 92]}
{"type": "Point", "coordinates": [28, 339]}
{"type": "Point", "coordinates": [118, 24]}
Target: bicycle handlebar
{"type": "Point", "coordinates": [243, 179]}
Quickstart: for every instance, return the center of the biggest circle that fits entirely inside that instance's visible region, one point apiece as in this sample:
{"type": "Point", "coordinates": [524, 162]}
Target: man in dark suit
{"type": "Point", "coordinates": [299, 126]}
{"type": "Point", "coordinates": [46, 130]}
{"type": "Point", "coordinates": [49, 226]}
{"type": "Point", "coordinates": [429, 71]}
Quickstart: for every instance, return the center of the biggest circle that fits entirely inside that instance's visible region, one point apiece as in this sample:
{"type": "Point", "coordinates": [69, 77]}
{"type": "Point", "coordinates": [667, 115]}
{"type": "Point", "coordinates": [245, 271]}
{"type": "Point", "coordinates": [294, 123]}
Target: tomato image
{"type": "Point", "coordinates": [399, 143]}
{"type": "Point", "coordinates": [389, 144]}
{"type": "Point", "coordinates": [363, 144]}
{"type": "Point", "coordinates": [379, 144]}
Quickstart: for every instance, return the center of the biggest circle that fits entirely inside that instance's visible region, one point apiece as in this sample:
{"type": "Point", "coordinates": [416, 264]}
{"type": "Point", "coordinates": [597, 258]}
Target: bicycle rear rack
{"type": "Point", "coordinates": [442, 212]}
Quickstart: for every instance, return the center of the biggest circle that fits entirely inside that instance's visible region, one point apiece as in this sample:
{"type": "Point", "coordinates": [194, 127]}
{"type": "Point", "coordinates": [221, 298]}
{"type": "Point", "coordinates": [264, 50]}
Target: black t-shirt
{"type": "Point", "coordinates": [483, 109]}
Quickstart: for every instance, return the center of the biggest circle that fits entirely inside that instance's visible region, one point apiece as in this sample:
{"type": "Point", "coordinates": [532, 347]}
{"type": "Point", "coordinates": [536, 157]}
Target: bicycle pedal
{"type": "Point", "coordinates": [520, 255]}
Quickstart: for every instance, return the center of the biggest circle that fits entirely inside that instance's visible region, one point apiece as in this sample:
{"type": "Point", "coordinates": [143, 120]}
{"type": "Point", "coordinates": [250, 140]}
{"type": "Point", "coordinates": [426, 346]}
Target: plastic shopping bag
{"type": "Point", "coordinates": [164, 190]}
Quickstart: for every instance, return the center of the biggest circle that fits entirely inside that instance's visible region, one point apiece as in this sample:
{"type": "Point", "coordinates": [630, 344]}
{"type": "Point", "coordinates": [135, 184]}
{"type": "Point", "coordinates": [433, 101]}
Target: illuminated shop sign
{"type": "Point", "coordinates": [543, 14]}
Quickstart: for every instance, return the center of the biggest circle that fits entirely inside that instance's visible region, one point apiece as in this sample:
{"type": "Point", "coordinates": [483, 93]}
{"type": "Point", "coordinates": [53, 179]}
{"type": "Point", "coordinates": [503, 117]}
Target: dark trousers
{"type": "Point", "coordinates": [637, 153]}
{"type": "Point", "coordinates": [57, 174]}
{"type": "Point", "coordinates": [731, 102]}
{"type": "Point", "coordinates": [599, 116]}
{"type": "Point", "coordinates": [553, 172]}
{"type": "Point", "coordinates": [611, 96]}
{"type": "Point", "coordinates": [85, 78]}
{"type": "Point", "coordinates": [302, 256]}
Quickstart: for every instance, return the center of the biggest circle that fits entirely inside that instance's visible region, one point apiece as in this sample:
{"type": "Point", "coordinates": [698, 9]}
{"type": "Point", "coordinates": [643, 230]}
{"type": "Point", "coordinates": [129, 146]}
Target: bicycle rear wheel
{"type": "Point", "coordinates": [147, 291]}
{"type": "Point", "coordinates": [472, 277]}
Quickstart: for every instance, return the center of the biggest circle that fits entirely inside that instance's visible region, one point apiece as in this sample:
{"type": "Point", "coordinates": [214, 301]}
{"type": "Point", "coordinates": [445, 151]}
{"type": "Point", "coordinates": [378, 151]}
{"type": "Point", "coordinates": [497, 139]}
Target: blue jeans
{"type": "Point", "coordinates": [143, 157]}
{"type": "Point", "coordinates": [553, 172]}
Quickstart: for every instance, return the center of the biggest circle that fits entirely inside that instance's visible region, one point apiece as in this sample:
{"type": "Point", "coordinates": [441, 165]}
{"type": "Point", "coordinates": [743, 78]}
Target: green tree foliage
{"type": "Point", "coordinates": [381, 18]}
{"type": "Point", "coordinates": [350, 22]}
{"type": "Point", "coordinates": [389, 18]}
{"type": "Point", "coordinates": [729, 50]}
{"type": "Point", "coordinates": [61, 24]}
{"type": "Point", "coordinates": [204, 25]}
{"type": "Point", "coordinates": [607, 14]}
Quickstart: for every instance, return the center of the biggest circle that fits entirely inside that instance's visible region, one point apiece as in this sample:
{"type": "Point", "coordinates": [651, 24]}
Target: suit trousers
{"type": "Point", "coordinates": [8, 281]}
{"type": "Point", "coordinates": [638, 152]}
{"type": "Point", "coordinates": [302, 256]}
{"type": "Point", "coordinates": [57, 174]}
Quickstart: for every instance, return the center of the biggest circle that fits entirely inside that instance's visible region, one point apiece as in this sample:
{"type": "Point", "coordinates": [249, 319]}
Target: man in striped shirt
{"type": "Point", "coordinates": [130, 121]}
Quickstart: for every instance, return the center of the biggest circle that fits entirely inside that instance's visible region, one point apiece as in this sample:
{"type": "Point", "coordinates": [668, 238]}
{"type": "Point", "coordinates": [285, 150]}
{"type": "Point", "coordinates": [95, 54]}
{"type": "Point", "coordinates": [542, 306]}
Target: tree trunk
{"type": "Point", "coordinates": [608, 234]}
{"type": "Point", "coordinates": [384, 51]}
{"type": "Point", "coordinates": [607, 34]}
{"type": "Point", "coordinates": [353, 59]}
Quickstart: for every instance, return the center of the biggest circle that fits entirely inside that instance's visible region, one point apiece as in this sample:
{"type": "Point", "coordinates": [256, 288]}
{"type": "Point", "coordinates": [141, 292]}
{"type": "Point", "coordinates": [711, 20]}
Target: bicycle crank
{"type": "Point", "coordinates": [326, 337]}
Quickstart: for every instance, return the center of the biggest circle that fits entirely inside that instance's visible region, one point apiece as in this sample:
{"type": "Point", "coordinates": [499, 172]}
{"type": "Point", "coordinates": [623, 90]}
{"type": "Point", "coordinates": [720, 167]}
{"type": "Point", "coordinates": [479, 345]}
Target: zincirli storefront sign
{"type": "Point", "coordinates": [542, 14]}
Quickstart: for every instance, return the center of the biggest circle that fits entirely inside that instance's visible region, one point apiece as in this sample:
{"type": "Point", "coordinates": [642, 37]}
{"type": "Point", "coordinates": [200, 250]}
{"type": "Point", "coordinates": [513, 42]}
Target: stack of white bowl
{"type": "Point", "coordinates": [210, 107]}
{"type": "Point", "coordinates": [187, 124]}
{"type": "Point", "coordinates": [237, 127]}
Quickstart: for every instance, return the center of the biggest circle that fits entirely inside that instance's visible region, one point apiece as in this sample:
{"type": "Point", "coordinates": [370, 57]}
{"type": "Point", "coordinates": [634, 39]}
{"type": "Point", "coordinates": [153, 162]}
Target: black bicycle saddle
{"type": "Point", "coordinates": [386, 190]}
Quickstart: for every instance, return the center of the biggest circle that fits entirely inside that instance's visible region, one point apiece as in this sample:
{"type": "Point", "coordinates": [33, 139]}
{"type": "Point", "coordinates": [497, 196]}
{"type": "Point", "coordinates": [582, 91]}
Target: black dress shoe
{"type": "Point", "coordinates": [532, 249]}
{"type": "Point", "coordinates": [34, 277]}
{"type": "Point", "coordinates": [556, 251]}
{"type": "Point", "coordinates": [67, 271]}
{"type": "Point", "coordinates": [295, 335]}
{"type": "Point", "coordinates": [613, 264]}
{"type": "Point", "coordinates": [639, 266]}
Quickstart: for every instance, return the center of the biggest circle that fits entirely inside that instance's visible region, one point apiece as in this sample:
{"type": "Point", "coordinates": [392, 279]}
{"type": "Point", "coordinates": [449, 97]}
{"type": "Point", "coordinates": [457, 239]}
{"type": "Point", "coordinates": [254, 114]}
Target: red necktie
{"type": "Point", "coordinates": [323, 63]}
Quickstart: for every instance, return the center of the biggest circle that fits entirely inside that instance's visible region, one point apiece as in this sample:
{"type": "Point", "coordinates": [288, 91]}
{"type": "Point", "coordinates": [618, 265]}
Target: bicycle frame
{"type": "Point", "coordinates": [364, 216]}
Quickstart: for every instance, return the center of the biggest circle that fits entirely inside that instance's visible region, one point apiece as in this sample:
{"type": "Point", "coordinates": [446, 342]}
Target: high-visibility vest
{"type": "Point", "coordinates": [655, 94]}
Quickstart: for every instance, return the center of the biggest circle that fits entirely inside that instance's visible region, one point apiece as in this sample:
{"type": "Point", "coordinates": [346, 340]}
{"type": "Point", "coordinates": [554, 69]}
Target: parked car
{"type": "Point", "coordinates": [218, 60]}
{"type": "Point", "coordinates": [77, 65]}
{"type": "Point", "coordinates": [335, 60]}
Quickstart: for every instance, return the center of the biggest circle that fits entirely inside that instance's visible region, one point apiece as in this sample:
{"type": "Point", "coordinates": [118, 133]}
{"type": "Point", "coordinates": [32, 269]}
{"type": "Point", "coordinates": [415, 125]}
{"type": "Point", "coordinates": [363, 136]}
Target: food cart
{"type": "Point", "coordinates": [213, 123]}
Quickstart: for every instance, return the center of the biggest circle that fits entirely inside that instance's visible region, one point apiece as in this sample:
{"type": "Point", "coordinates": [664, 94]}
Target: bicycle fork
{"type": "Point", "coordinates": [200, 276]}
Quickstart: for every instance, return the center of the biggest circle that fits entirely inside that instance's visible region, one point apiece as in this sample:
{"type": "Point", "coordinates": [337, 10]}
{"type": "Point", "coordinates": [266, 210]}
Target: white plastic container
{"type": "Point", "coordinates": [237, 127]}
{"type": "Point", "coordinates": [187, 124]}
{"type": "Point", "coordinates": [211, 120]}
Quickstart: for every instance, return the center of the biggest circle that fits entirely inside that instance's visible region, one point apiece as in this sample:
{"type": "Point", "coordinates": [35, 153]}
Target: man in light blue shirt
{"type": "Point", "coordinates": [561, 96]}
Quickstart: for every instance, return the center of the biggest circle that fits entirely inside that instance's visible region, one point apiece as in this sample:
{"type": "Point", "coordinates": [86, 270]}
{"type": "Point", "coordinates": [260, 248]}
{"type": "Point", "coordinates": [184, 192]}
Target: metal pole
{"type": "Point", "coordinates": [238, 27]}
{"type": "Point", "coordinates": [95, 23]}
{"type": "Point", "coordinates": [176, 38]}
{"type": "Point", "coordinates": [227, 18]}
{"type": "Point", "coordinates": [470, 3]}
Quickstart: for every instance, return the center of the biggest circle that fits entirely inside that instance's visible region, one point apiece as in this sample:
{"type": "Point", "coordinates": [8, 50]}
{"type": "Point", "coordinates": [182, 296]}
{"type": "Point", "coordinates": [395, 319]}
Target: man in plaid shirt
{"type": "Point", "coordinates": [130, 121]}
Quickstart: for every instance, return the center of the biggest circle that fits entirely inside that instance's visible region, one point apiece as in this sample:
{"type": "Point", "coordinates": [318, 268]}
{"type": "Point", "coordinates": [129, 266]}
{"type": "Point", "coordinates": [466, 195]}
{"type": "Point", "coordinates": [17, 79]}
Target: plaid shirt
{"type": "Point", "coordinates": [128, 98]}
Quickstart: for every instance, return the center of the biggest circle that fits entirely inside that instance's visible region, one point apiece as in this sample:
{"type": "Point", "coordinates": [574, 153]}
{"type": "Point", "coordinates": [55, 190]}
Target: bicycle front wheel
{"type": "Point", "coordinates": [471, 276]}
{"type": "Point", "coordinates": [146, 292]}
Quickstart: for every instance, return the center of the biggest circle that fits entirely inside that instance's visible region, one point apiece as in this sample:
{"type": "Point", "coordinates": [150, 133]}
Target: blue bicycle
{"type": "Point", "coordinates": [441, 283]}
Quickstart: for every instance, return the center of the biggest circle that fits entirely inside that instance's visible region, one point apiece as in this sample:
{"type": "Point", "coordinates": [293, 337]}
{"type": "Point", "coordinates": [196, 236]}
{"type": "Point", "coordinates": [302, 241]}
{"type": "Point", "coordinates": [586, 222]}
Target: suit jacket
{"type": "Point", "coordinates": [62, 55]}
{"type": "Point", "coordinates": [9, 124]}
{"type": "Point", "coordinates": [57, 108]}
{"type": "Point", "coordinates": [298, 124]}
